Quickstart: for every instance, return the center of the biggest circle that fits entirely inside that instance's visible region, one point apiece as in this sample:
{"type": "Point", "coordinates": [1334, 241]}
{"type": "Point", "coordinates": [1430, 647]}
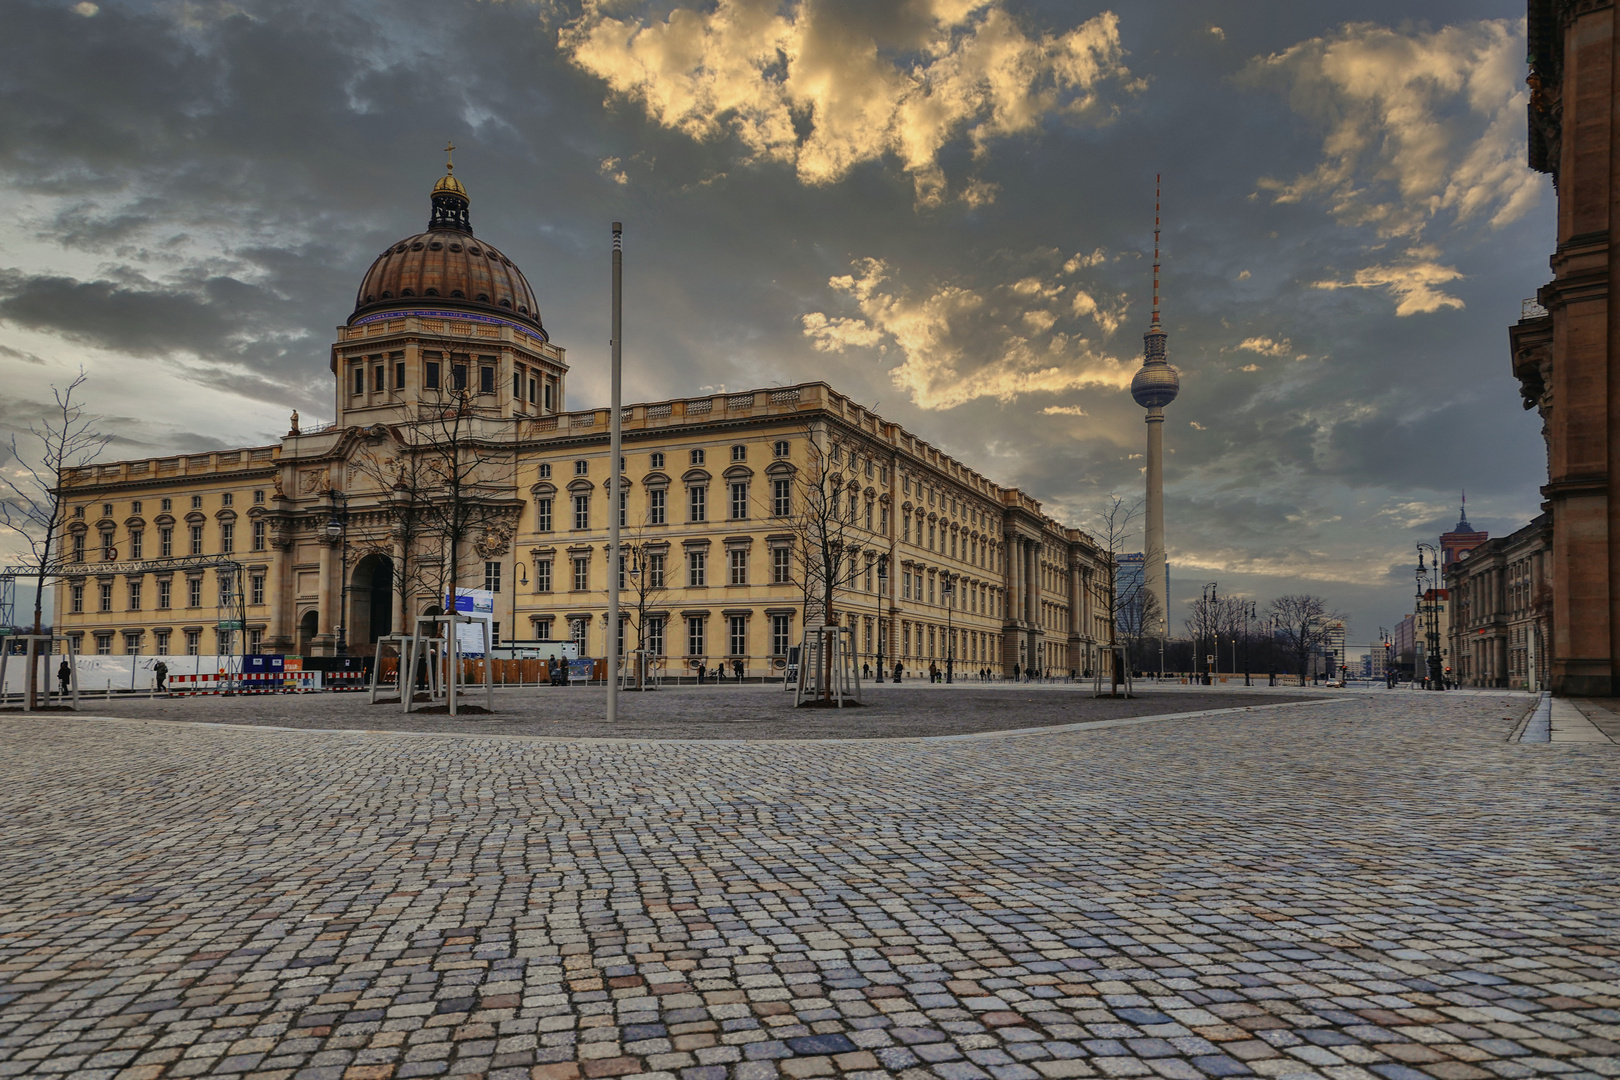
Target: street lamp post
{"type": "Point", "coordinates": [1431, 615]}
{"type": "Point", "coordinates": [337, 529]}
{"type": "Point", "coordinates": [1211, 598]}
{"type": "Point", "coordinates": [883, 596]}
{"type": "Point", "coordinates": [948, 594]}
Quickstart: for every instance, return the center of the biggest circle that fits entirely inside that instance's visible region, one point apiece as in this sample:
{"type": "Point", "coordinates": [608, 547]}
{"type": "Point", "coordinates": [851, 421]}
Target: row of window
{"type": "Point", "coordinates": [166, 547]}
{"type": "Point", "coordinates": [226, 498]}
{"type": "Point", "coordinates": [697, 506]}
{"type": "Point", "coordinates": [654, 635]}
{"type": "Point", "coordinates": [655, 460]}
{"type": "Point", "coordinates": [165, 594]}
{"type": "Point", "coordinates": [225, 642]}
{"type": "Point", "coordinates": [650, 571]}
{"type": "Point", "coordinates": [532, 380]}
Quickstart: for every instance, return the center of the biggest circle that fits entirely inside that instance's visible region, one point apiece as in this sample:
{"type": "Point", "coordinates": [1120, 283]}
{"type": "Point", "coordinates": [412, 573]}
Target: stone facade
{"type": "Point", "coordinates": [454, 461]}
{"type": "Point", "coordinates": [1501, 607]}
{"type": "Point", "coordinates": [1564, 348]}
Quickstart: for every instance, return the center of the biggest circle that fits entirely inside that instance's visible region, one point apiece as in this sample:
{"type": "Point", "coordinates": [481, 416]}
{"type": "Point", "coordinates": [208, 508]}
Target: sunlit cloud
{"type": "Point", "coordinates": [795, 84]}
{"type": "Point", "coordinates": [1266, 346]}
{"type": "Point", "coordinates": [1412, 281]}
{"type": "Point", "coordinates": [957, 342]}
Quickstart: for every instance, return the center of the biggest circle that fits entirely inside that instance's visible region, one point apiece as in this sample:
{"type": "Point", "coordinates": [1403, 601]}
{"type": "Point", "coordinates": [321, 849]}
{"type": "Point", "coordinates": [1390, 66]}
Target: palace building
{"type": "Point", "coordinates": [455, 462]}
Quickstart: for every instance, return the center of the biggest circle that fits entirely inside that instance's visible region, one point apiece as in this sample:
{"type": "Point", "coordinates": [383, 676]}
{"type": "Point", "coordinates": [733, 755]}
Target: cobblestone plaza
{"type": "Point", "coordinates": [1372, 885]}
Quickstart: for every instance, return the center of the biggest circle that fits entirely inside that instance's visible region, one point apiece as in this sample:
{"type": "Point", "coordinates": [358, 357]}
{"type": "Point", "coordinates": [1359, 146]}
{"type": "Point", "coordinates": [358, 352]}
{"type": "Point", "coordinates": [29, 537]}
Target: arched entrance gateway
{"type": "Point", "coordinates": [371, 603]}
{"type": "Point", "coordinates": [308, 627]}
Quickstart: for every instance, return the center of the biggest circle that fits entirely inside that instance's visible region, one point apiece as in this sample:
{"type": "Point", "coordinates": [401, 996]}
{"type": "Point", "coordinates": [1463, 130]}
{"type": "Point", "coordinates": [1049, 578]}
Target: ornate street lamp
{"type": "Point", "coordinates": [337, 529]}
{"type": "Point", "coordinates": [1431, 616]}
{"type": "Point", "coordinates": [948, 594]}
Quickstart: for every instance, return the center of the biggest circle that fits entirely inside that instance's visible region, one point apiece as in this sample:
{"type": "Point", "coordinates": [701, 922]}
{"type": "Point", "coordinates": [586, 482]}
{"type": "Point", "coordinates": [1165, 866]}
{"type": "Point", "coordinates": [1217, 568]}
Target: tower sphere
{"type": "Point", "coordinates": [1155, 385]}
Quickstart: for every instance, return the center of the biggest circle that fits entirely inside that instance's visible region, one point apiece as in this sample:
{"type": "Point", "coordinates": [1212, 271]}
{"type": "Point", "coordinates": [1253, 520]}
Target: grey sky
{"type": "Point", "coordinates": [942, 206]}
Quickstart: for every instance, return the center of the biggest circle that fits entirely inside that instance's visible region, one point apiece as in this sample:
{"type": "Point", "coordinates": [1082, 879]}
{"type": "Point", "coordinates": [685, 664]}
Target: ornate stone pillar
{"type": "Point", "coordinates": [327, 622]}
{"type": "Point", "coordinates": [1011, 569]}
{"type": "Point", "coordinates": [275, 594]}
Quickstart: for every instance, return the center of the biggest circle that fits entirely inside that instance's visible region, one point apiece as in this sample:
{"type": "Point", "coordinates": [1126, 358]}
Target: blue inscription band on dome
{"type": "Point", "coordinates": [439, 313]}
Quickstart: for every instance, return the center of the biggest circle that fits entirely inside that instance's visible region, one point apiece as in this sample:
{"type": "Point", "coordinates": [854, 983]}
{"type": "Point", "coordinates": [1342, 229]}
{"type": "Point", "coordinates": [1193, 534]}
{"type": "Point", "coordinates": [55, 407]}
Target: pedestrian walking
{"type": "Point", "coordinates": [161, 671]}
{"type": "Point", "coordinates": [703, 669]}
{"type": "Point", "coordinates": [1015, 673]}
{"type": "Point", "coordinates": [897, 671]}
{"type": "Point", "coordinates": [63, 673]}
{"type": "Point", "coordinates": [737, 670]}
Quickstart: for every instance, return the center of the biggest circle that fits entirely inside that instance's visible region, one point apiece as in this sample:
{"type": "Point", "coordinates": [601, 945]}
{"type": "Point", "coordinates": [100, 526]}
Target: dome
{"type": "Point", "coordinates": [447, 268]}
{"type": "Point", "coordinates": [1155, 385]}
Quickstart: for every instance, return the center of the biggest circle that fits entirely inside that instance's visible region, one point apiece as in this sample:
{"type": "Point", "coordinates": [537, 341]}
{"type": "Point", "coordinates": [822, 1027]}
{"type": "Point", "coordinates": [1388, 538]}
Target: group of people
{"type": "Point", "coordinates": [719, 671]}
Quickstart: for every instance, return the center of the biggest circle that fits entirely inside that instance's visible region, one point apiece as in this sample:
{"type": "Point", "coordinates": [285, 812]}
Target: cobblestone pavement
{"type": "Point", "coordinates": [1378, 886]}
{"type": "Point", "coordinates": [713, 712]}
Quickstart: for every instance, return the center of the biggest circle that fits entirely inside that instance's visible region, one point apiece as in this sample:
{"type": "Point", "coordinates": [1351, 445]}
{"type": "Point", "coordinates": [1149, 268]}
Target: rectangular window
{"type": "Point", "coordinates": [655, 636]}
{"type": "Point", "coordinates": [655, 506]}
{"type": "Point", "coordinates": [106, 547]}
{"type": "Point", "coordinates": [930, 536]}
{"type": "Point", "coordinates": [458, 376]}
{"type": "Point", "coordinates": [694, 636]}
{"type": "Point", "coordinates": [739, 635]}
{"type": "Point", "coordinates": [227, 537]}
{"type": "Point", "coordinates": [739, 452]}
{"type": "Point", "coordinates": [359, 379]}
{"type": "Point", "coordinates": [379, 381]}
{"type": "Point", "coordinates": [698, 507]}
{"type": "Point", "coordinates": [258, 536]}
{"type": "Point", "coordinates": [517, 385]}
{"type": "Point", "coordinates": [582, 511]}
{"type": "Point", "coordinates": [869, 568]}
{"type": "Point", "coordinates": [738, 566]}
{"type": "Point", "coordinates": [399, 376]}
{"type": "Point", "coordinates": [883, 520]}
{"type": "Point", "coordinates": [135, 596]}
{"type": "Point", "coordinates": [542, 629]}
{"type": "Point", "coordinates": [739, 502]}
{"type": "Point", "coordinates": [697, 567]}
{"type": "Point", "coordinates": [781, 566]}
{"type": "Point", "coordinates": [492, 577]}
{"type": "Point", "coordinates": [193, 642]}
{"type": "Point", "coordinates": [655, 461]}
{"type": "Point", "coordinates": [655, 571]}
{"type": "Point", "coordinates": [577, 629]}
{"type": "Point", "coordinates": [486, 379]}
{"type": "Point", "coordinates": [906, 528]}
{"type": "Point", "coordinates": [781, 497]}
{"type": "Point", "coordinates": [194, 592]}
{"type": "Point", "coordinates": [780, 634]}
{"type": "Point", "coordinates": [548, 395]}
{"type": "Point", "coordinates": [905, 584]}
{"type": "Point", "coordinates": [868, 517]}
{"type": "Point", "coordinates": [533, 387]}
{"type": "Point", "coordinates": [103, 644]}
{"type": "Point", "coordinates": [256, 589]}
{"type": "Point", "coordinates": [196, 539]}
{"type": "Point", "coordinates": [780, 449]}
{"type": "Point", "coordinates": [622, 563]}
{"type": "Point", "coordinates": [255, 640]}
{"type": "Point", "coordinates": [542, 508]}
{"type": "Point", "coordinates": [624, 508]}
{"type": "Point", "coordinates": [160, 642]}
{"type": "Point", "coordinates": [136, 547]}
{"type": "Point", "coordinates": [78, 548]}
{"type": "Point", "coordinates": [132, 642]}
{"type": "Point", "coordinates": [165, 593]}
{"type": "Point", "coordinates": [78, 598]}
{"type": "Point", "coordinates": [542, 576]}
{"type": "Point", "coordinates": [105, 590]}
{"type": "Point", "coordinates": [582, 573]}
{"type": "Point", "coordinates": [696, 457]}
{"type": "Point", "coordinates": [430, 375]}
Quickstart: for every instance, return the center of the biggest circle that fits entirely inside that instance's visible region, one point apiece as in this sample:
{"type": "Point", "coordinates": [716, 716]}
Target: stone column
{"type": "Point", "coordinates": [1032, 583]}
{"type": "Point", "coordinates": [275, 598]}
{"type": "Point", "coordinates": [327, 622]}
{"type": "Point", "coordinates": [1011, 562]}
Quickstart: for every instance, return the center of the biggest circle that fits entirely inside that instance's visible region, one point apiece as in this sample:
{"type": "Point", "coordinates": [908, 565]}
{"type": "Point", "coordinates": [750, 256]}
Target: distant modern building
{"type": "Point", "coordinates": [1130, 579]}
{"type": "Point", "coordinates": [1403, 647]}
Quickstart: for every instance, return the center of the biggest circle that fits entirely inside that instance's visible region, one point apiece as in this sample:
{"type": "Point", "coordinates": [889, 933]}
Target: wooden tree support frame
{"type": "Point", "coordinates": [405, 684]}
{"type": "Point", "coordinates": [1119, 674]}
{"type": "Point", "coordinates": [442, 654]}
{"type": "Point", "coordinates": [827, 671]}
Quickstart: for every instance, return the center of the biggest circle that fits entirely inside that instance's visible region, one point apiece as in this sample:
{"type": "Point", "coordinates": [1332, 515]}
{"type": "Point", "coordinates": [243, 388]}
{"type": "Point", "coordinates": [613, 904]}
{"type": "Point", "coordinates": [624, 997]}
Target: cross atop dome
{"type": "Point", "coordinates": [450, 199]}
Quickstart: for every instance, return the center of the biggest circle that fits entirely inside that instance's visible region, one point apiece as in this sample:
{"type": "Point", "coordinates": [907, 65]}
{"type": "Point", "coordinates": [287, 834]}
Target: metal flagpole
{"type": "Point", "coordinates": [614, 444]}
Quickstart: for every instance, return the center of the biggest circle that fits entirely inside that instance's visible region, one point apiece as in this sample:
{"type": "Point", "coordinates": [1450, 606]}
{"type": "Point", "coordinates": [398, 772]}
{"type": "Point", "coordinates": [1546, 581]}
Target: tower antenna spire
{"type": "Point", "coordinates": [1156, 179]}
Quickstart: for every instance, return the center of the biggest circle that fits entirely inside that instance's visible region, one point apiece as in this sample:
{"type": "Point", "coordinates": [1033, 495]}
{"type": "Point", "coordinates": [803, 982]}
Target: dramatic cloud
{"type": "Point", "coordinates": [1417, 123]}
{"type": "Point", "coordinates": [1266, 346]}
{"type": "Point", "coordinates": [959, 343]}
{"type": "Point", "coordinates": [806, 85]}
{"type": "Point", "coordinates": [1412, 281]}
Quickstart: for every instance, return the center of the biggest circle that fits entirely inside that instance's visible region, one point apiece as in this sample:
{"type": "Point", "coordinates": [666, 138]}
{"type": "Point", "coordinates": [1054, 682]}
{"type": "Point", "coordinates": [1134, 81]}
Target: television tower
{"type": "Point", "coordinates": [1156, 385]}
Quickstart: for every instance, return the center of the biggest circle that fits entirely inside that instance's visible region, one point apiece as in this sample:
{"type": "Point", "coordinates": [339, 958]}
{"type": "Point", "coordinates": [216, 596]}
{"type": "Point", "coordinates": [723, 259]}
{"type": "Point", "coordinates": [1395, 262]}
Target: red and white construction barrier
{"type": "Point", "coordinates": [266, 682]}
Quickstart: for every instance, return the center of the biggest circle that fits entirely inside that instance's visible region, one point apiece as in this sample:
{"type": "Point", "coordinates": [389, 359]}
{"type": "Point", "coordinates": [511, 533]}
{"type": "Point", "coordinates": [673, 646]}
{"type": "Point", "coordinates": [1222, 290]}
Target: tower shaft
{"type": "Point", "coordinates": [1153, 568]}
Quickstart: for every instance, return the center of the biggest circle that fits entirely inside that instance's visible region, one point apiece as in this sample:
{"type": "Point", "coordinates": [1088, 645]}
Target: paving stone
{"type": "Point", "coordinates": [1378, 885]}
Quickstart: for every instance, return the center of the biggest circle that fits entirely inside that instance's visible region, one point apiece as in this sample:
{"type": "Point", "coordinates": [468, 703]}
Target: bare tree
{"type": "Point", "coordinates": [1303, 623]}
{"type": "Point", "coordinates": [31, 505]}
{"type": "Point", "coordinates": [646, 580]}
{"type": "Point", "coordinates": [824, 518]}
{"type": "Point", "coordinates": [1124, 602]}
